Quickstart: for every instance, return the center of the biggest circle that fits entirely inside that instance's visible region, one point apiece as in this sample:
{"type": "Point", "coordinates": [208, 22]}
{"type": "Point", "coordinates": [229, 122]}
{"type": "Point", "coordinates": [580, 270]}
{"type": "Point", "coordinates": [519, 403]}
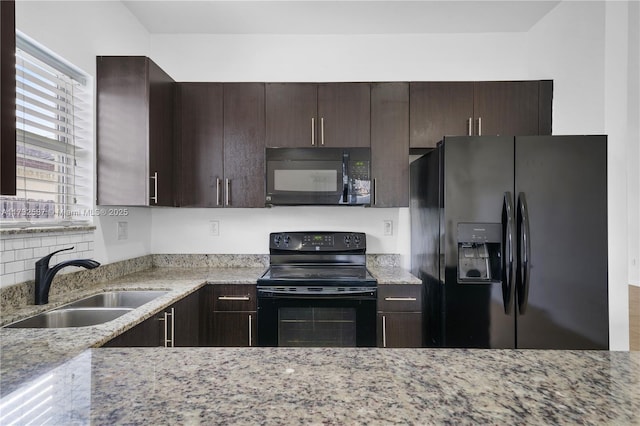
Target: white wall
{"type": "Point", "coordinates": [247, 230]}
{"type": "Point", "coordinates": [341, 57]}
{"type": "Point", "coordinates": [78, 31]}
{"type": "Point", "coordinates": [633, 161]}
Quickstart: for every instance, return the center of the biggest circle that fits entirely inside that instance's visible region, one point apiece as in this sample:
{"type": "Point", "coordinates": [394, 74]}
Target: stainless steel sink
{"type": "Point", "coordinates": [117, 299]}
{"type": "Point", "coordinates": [76, 317]}
{"type": "Point", "coordinates": [92, 310]}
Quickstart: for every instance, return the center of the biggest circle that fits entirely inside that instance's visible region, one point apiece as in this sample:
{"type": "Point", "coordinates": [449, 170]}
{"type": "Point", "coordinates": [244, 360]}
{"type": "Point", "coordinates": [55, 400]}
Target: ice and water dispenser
{"type": "Point", "coordinates": [479, 251]}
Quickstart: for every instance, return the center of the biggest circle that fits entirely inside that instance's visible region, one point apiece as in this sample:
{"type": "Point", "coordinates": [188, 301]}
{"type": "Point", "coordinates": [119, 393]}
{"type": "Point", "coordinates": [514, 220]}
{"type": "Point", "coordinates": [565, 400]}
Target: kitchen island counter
{"type": "Point", "coordinates": [340, 386]}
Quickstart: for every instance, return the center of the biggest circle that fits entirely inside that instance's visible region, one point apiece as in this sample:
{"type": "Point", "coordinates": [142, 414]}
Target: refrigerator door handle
{"type": "Point", "coordinates": [508, 288]}
{"type": "Point", "coordinates": [524, 252]}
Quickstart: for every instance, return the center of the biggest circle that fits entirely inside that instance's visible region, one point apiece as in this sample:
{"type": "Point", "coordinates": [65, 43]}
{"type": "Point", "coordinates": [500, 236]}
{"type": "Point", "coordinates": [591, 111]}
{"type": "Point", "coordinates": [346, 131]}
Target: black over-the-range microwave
{"type": "Point", "coordinates": [318, 176]}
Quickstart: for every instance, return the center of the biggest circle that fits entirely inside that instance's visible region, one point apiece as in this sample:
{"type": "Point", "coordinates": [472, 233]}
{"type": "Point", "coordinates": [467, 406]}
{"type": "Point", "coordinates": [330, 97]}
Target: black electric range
{"type": "Point", "coordinates": [317, 291]}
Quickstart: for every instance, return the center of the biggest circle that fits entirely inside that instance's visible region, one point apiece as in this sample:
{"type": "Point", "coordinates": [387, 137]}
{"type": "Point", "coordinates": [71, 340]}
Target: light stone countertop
{"type": "Point", "coordinates": [301, 385]}
{"type": "Point", "coordinates": [26, 353]}
{"type": "Point", "coordinates": [255, 386]}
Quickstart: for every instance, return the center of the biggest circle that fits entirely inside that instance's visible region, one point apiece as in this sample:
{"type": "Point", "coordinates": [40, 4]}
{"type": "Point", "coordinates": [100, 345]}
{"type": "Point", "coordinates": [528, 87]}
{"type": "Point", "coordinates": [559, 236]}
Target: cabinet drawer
{"type": "Point", "coordinates": [399, 298]}
{"type": "Point", "coordinates": [234, 297]}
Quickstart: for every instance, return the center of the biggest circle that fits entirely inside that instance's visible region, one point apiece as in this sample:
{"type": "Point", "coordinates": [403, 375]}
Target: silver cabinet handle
{"type": "Point", "coordinates": [169, 343]}
{"type": "Point", "coordinates": [480, 126]}
{"type": "Point", "coordinates": [155, 188]}
{"type": "Point", "coordinates": [173, 327]}
{"type": "Point", "coordinates": [470, 127]}
{"type": "Point", "coordinates": [227, 184]}
{"type": "Point", "coordinates": [384, 331]}
{"type": "Point", "coordinates": [322, 131]}
{"type": "Point", "coordinates": [217, 191]}
{"type": "Point", "coordinates": [313, 131]}
{"type": "Point", "coordinates": [250, 342]}
{"type": "Point", "coordinates": [245, 298]}
{"type": "Point", "coordinates": [375, 191]}
{"type": "Point", "coordinates": [400, 299]}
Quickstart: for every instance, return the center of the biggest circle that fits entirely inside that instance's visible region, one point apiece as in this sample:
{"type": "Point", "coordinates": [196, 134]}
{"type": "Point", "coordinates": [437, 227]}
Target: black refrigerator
{"type": "Point", "coordinates": [509, 236]}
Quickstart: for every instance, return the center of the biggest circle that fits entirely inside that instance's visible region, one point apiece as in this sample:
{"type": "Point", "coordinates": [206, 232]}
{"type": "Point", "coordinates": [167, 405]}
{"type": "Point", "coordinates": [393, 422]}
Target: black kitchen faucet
{"type": "Point", "coordinates": [44, 274]}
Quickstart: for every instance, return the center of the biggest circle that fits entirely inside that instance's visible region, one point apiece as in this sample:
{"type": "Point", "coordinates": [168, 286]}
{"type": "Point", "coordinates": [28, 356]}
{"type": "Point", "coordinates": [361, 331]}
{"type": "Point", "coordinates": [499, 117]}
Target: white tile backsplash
{"type": "Point", "coordinates": [21, 251]}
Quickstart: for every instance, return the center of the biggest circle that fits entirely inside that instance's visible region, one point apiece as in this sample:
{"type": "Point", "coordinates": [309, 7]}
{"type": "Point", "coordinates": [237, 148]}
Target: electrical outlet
{"type": "Point", "coordinates": [123, 230]}
{"type": "Point", "coordinates": [214, 227]}
{"type": "Point", "coordinates": [388, 227]}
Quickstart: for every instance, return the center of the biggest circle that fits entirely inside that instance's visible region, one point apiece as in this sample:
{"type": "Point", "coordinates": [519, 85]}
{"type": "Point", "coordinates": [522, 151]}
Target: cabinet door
{"type": "Point", "coordinates": [148, 333]}
{"type": "Point", "coordinates": [134, 132]}
{"type": "Point", "coordinates": [122, 125]}
{"type": "Point", "coordinates": [200, 144]}
{"type": "Point", "coordinates": [244, 160]}
{"type": "Point", "coordinates": [187, 320]}
{"type": "Point", "coordinates": [508, 108]}
{"type": "Point", "coordinates": [439, 109]}
{"type": "Point", "coordinates": [7, 98]}
{"type": "Point", "coordinates": [390, 144]}
{"type": "Point", "coordinates": [344, 115]}
{"type": "Point", "coordinates": [291, 110]}
{"type": "Point", "coordinates": [161, 136]}
{"type": "Point", "coordinates": [234, 328]}
{"type": "Point", "coordinates": [400, 329]}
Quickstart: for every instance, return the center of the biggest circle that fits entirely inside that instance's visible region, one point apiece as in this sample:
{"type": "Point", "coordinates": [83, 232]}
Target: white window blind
{"type": "Point", "coordinates": [53, 141]}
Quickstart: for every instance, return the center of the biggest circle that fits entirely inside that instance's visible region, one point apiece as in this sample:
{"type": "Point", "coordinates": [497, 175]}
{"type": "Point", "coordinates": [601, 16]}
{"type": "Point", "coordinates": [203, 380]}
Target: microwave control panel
{"type": "Point", "coordinates": [359, 170]}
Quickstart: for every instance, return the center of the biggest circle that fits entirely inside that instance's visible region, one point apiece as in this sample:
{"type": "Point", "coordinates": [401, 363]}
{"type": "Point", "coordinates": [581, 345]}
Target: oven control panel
{"type": "Point", "coordinates": [317, 241]}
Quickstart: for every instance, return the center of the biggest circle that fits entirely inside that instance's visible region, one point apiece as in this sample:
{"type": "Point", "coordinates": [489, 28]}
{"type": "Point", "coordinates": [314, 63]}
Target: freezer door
{"type": "Point", "coordinates": [561, 189]}
{"type": "Point", "coordinates": [478, 172]}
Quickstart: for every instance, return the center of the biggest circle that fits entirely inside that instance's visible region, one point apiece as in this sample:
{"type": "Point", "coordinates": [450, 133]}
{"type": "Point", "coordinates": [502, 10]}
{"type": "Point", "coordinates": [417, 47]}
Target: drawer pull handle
{"type": "Point", "coordinates": [234, 298]}
{"type": "Point", "coordinates": [400, 299]}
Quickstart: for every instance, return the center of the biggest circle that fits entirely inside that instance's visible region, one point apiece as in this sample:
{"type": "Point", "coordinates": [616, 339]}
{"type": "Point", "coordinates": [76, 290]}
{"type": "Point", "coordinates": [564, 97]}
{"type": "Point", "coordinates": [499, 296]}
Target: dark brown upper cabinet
{"type": "Point", "coordinates": [7, 98]}
{"type": "Point", "coordinates": [200, 133]}
{"type": "Point", "coordinates": [478, 108]}
{"type": "Point", "coordinates": [506, 108]}
{"type": "Point", "coordinates": [244, 155]}
{"type": "Point", "coordinates": [220, 139]}
{"type": "Point", "coordinates": [134, 132]}
{"type": "Point", "coordinates": [390, 144]}
{"type": "Point", "coordinates": [439, 109]}
{"type": "Point", "coordinates": [318, 115]}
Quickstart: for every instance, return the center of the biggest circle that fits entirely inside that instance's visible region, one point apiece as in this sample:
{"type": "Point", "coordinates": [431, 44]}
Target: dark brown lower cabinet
{"type": "Point", "coordinates": [400, 316]}
{"type": "Point", "coordinates": [234, 328]}
{"type": "Point", "coordinates": [400, 329]}
{"type": "Point", "coordinates": [232, 315]}
{"type": "Point", "coordinates": [177, 325]}
{"type": "Point", "coordinates": [145, 334]}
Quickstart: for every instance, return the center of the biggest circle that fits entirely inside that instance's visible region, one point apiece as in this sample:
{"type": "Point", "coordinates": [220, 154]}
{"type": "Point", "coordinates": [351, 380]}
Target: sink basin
{"type": "Point", "coordinates": [117, 299]}
{"type": "Point", "coordinates": [76, 317]}
{"type": "Point", "coordinates": [92, 310]}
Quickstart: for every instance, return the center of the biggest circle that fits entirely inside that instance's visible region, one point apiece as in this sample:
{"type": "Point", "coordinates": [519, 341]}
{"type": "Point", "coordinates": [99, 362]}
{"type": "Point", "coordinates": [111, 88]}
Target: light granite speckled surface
{"type": "Point", "coordinates": [25, 352]}
{"type": "Point", "coordinates": [301, 385]}
{"type": "Point", "coordinates": [45, 229]}
{"type": "Point", "coordinates": [251, 386]}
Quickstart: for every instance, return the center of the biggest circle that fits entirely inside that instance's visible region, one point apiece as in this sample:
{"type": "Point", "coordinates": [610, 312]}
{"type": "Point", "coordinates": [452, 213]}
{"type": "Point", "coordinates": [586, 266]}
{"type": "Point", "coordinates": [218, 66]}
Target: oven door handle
{"type": "Point", "coordinates": [345, 294]}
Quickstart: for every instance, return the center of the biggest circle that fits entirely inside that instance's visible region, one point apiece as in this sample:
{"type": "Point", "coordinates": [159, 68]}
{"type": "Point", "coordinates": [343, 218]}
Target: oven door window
{"type": "Point", "coordinates": [317, 327]}
{"type": "Point", "coordinates": [311, 322]}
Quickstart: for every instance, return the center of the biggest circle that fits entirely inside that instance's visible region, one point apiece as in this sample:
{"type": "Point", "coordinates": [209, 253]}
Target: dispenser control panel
{"type": "Point", "coordinates": [479, 251]}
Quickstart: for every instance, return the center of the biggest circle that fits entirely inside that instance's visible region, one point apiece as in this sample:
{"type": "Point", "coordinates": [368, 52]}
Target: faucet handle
{"type": "Point", "coordinates": [45, 260]}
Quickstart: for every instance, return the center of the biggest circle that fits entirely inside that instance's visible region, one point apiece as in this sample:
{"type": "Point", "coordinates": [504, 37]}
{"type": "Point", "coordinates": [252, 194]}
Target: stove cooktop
{"type": "Point", "coordinates": [318, 274]}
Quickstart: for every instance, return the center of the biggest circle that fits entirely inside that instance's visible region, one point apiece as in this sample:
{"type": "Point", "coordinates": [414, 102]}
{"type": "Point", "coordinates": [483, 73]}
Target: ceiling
{"type": "Point", "coordinates": [337, 17]}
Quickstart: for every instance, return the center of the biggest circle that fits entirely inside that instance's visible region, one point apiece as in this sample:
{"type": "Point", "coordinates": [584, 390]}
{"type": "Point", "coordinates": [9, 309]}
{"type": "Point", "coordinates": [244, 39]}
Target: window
{"type": "Point", "coordinates": [53, 140]}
